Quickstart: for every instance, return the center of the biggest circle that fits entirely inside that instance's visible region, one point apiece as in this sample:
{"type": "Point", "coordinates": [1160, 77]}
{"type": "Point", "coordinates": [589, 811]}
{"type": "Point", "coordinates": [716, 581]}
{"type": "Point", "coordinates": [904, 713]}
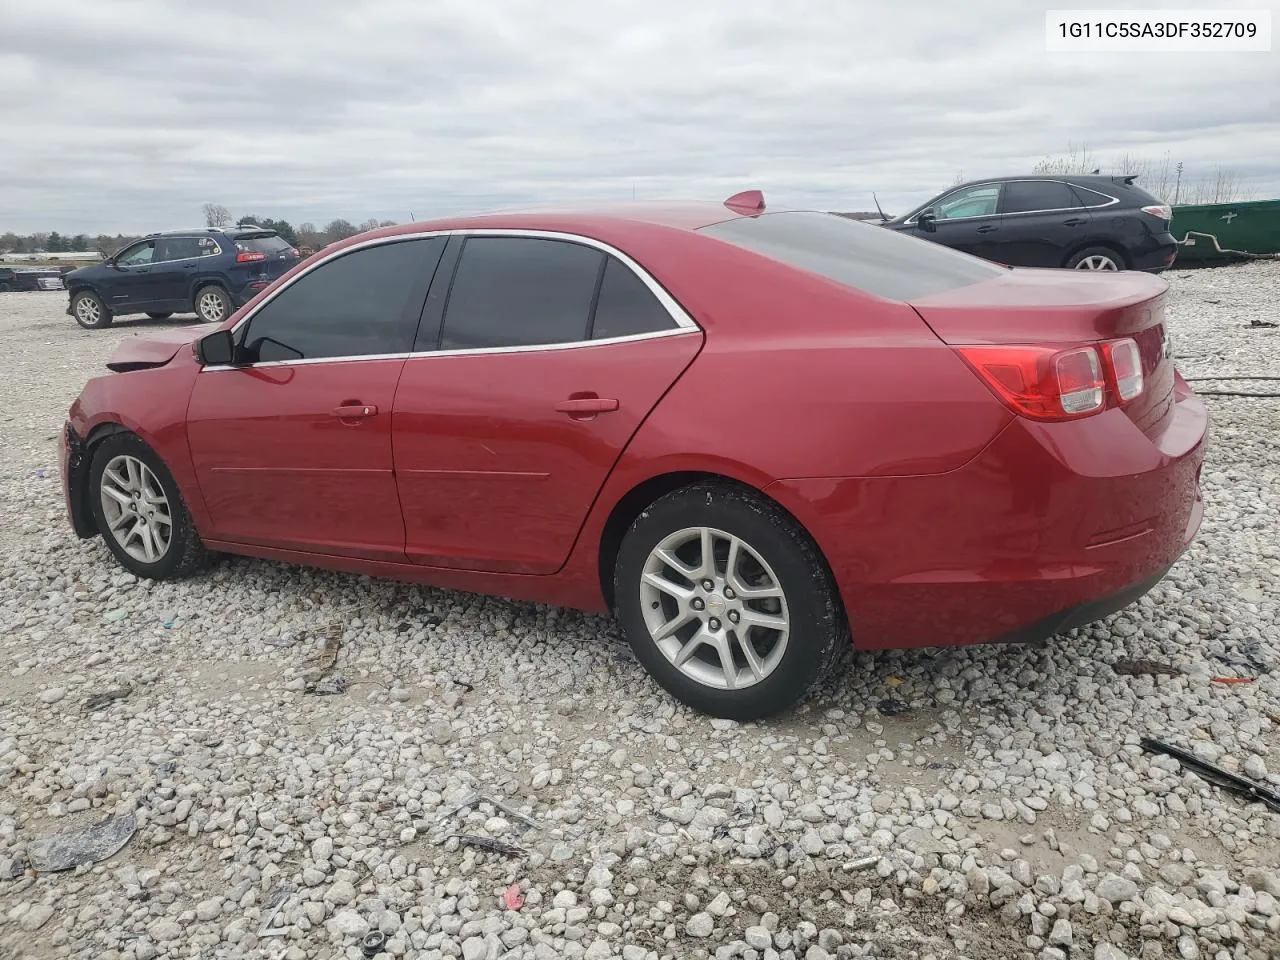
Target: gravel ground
{"type": "Point", "coordinates": [1007, 812]}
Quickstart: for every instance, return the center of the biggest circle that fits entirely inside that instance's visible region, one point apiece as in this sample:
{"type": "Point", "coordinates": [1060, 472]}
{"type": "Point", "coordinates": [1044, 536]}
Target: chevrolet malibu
{"type": "Point", "coordinates": [754, 436]}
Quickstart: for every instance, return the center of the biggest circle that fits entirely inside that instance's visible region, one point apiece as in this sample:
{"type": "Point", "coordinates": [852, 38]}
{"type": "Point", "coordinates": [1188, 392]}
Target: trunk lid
{"type": "Point", "coordinates": [1070, 308]}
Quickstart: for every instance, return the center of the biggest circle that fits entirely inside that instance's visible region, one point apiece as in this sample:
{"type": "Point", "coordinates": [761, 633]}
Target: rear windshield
{"type": "Point", "coordinates": [262, 243]}
{"type": "Point", "coordinates": [873, 259]}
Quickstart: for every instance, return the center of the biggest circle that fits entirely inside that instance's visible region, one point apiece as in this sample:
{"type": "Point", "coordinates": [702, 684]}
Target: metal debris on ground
{"type": "Point", "coordinates": [743, 814]}
{"type": "Point", "coordinates": [99, 700]}
{"type": "Point", "coordinates": [373, 943]}
{"type": "Point", "coordinates": [891, 708]}
{"type": "Point", "coordinates": [317, 679]}
{"type": "Point", "coordinates": [488, 843]}
{"type": "Point", "coordinates": [279, 897]}
{"type": "Point", "coordinates": [862, 863]}
{"type": "Point", "coordinates": [474, 798]}
{"type": "Point", "coordinates": [1233, 679]}
{"type": "Point", "coordinates": [513, 897]}
{"type": "Point", "coordinates": [1133, 668]}
{"type": "Point", "coordinates": [72, 848]}
{"type": "Point", "coordinates": [1232, 782]}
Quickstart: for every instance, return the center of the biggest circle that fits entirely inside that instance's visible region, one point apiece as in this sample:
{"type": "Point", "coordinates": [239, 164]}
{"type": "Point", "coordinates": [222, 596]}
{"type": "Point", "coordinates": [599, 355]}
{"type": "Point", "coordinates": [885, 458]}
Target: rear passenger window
{"type": "Point", "coordinates": [1028, 196]}
{"type": "Point", "coordinates": [520, 292]}
{"type": "Point", "coordinates": [362, 303]}
{"type": "Point", "coordinates": [626, 305]}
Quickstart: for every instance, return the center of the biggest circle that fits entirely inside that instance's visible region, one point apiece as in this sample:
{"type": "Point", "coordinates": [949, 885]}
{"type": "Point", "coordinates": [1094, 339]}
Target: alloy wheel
{"type": "Point", "coordinates": [136, 509]}
{"type": "Point", "coordinates": [88, 311]}
{"type": "Point", "coordinates": [714, 608]}
{"type": "Point", "coordinates": [1097, 262]}
{"type": "Point", "coordinates": [211, 307]}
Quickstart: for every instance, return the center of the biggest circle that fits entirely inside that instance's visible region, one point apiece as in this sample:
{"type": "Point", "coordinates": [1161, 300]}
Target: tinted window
{"type": "Point", "coordinates": [520, 291]}
{"type": "Point", "coordinates": [626, 306]}
{"type": "Point", "coordinates": [362, 303]}
{"type": "Point", "coordinates": [1092, 198]}
{"type": "Point", "coordinates": [262, 243]}
{"type": "Point", "coordinates": [180, 248]}
{"type": "Point", "coordinates": [1024, 196]}
{"type": "Point", "coordinates": [970, 202]}
{"type": "Point", "coordinates": [142, 253]}
{"type": "Point", "coordinates": [880, 261]}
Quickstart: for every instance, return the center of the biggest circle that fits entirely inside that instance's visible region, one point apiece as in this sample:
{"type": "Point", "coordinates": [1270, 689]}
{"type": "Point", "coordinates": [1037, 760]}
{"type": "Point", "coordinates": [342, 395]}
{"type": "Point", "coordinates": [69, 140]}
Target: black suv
{"type": "Point", "coordinates": [210, 271]}
{"type": "Point", "coordinates": [1078, 222]}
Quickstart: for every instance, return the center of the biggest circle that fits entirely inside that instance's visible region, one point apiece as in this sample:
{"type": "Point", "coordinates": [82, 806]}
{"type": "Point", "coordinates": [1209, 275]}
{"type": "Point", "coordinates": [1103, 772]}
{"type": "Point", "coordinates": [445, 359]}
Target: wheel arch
{"type": "Point", "coordinates": [1105, 244]}
{"type": "Point", "coordinates": [643, 494]}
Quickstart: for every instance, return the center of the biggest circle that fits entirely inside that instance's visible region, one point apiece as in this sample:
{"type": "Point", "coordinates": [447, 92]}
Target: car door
{"type": "Point", "coordinates": [967, 219]}
{"type": "Point", "coordinates": [129, 283]}
{"type": "Point", "coordinates": [172, 269]}
{"type": "Point", "coordinates": [1041, 222]}
{"type": "Point", "coordinates": [292, 444]}
{"type": "Point", "coordinates": [523, 390]}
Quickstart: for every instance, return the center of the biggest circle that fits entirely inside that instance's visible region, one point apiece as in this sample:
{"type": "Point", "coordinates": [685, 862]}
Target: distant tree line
{"type": "Point", "coordinates": [306, 235]}
{"type": "Point", "coordinates": [53, 242]}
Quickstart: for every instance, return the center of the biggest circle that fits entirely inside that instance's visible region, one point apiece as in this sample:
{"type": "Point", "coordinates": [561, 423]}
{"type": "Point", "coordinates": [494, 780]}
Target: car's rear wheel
{"type": "Point", "coordinates": [1096, 258]}
{"type": "Point", "coordinates": [5, 288]}
{"type": "Point", "coordinates": [213, 304]}
{"type": "Point", "coordinates": [162, 315]}
{"type": "Point", "coordinates": [140, 511]}
{"type": "Point", "coordinates": [89, 310]}
{"type": "Point", "coordinates": [726, 601]}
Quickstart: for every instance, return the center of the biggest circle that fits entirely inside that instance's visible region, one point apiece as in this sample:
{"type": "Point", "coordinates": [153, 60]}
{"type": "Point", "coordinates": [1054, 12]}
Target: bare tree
{"type": "Point", "coordinates": [370, 224]}
{"type": "Point", "coordinates": [1078, 159]}
{"type": "Point", "coordinates": [216, 215]}
{"type": "Point", "coordinates": [340, 230]}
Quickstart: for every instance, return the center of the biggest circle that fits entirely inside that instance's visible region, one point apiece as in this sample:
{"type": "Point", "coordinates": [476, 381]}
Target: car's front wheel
{"type": "Point", "coordinates": [1096, 258]}
{"type": "Point", "coordinates": [726, 601]}
{"type": "Point", "coordinates": [140, 511]}
{"type": "Point", "coordinates": [213, 304]}
{"type": "Point", "coordinates": [89, 310]}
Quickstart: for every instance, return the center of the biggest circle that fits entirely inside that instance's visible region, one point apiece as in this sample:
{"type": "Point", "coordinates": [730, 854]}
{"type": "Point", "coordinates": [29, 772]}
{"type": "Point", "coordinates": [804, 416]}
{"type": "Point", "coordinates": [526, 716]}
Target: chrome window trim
{"type": "Point", "coordinates": [1111, 201]}
{"type": "Point", "coordinates": [217, 249]}
{"type": "Point", "coordinates": [685, 324]}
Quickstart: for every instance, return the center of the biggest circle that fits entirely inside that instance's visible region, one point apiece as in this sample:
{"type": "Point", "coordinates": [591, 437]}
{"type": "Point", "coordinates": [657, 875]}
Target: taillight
{"type": "Point", "coordinates": [1051, 383]}
{"type": "Point", "coordinates": [1163, 211]}
{"type": "Point", "coordinates": [293, 251]}
{"type": "Point", "coordinates": [1124, 363]}
{"type": "Point", "coordinates": [250, 256]}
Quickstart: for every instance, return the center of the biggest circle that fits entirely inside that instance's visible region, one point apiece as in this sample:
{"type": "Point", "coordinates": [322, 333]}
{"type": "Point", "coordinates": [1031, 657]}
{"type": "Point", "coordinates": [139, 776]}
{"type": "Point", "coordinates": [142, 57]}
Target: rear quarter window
{"type": "Point", "coordinates": [873, 259]}
{"type": "Point", "coordinates": [262, 243]}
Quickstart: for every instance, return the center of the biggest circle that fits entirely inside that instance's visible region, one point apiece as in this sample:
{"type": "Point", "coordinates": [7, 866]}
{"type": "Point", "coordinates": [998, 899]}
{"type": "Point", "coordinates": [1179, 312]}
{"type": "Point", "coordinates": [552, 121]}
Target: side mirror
{"type": "Point", "coordinates": [216, 350]}
{"type": "Point", "coordinates": [928, 220]}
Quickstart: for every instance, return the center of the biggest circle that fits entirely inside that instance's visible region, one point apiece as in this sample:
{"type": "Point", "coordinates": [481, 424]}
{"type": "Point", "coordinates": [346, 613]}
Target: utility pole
{"type": "Point", "coordinates": [1177, 186]}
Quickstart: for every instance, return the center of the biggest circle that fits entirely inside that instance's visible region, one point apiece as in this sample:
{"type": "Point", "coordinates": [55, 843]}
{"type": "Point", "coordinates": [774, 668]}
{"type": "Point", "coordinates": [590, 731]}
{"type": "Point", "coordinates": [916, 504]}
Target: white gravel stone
{"type": "Point", "coordinates": [700, 925]}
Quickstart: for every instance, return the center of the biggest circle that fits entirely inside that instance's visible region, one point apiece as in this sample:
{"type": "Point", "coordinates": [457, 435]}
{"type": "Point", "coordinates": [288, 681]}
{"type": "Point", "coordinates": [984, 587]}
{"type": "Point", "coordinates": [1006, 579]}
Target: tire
{"type": "Point", "coordinates": [774, 555]}
{"type": "Point", "coordinates": [133, 466]}
{"type": "Point", "coordinates": [212, 303]}
{"type": "Point", "coordinates": [163, 315]}
{"type": "Point", "coordinates": [1096, 258]}
{"type": "Point", "coordinates": [5, 288]}
{"type": "Point", "coordinates": [89, 310]}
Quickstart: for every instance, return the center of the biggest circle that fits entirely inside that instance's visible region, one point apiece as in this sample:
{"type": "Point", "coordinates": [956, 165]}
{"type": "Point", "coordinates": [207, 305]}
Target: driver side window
{"type": "Point", "coordinates": [979, 201]}
{"type": "Point", "coordinates": [138, 255]}
{"type": "Point", "coordinates": [360, 304]}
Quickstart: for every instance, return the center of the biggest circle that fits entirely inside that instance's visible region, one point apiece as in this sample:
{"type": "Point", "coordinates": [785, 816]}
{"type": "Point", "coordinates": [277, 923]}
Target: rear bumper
{"type": "Point", "coordinates": [1157, 254]}
{"type": "Point", "coordinates": [1051, 526]}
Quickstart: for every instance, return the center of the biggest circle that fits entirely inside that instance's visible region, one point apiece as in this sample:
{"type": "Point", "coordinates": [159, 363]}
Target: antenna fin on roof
{"type": "Point", "coordinates": [748, 202]}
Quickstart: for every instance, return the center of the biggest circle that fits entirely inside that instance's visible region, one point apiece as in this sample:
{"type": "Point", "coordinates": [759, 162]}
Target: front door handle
{"type": "Point", "coordinates": [586, 406]}
{"type": "Point", "coordinates": [987, 229]}
{"type": "Point", "coordinates": [354, 411]}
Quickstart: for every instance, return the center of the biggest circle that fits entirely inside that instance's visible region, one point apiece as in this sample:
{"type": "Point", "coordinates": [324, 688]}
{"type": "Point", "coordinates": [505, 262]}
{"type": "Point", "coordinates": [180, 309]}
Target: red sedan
{"type": "Point", "coordinates": [750, 434]}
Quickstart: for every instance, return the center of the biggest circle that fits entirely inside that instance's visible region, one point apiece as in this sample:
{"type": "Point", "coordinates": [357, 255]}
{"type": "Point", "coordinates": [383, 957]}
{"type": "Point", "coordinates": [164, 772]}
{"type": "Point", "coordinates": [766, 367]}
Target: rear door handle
{"type": "Point", "coordinates": [1073, 222]}
{"type": "Point", "coordinates": [354, 411]}
{"type": "Point", "coordinates": [586, 407]}
{"type": "Point", "coordinates": [987, 229]}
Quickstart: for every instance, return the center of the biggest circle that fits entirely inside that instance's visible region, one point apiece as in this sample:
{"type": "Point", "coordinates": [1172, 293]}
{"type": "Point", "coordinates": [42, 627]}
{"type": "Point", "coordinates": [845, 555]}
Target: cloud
{"type": "Point", "coordinates": [129, 115]}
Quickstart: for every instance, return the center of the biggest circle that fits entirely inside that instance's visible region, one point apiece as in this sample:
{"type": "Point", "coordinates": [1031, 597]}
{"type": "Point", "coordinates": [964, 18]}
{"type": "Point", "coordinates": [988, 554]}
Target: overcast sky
{"type": "Point", "coordinates": [127, 115]}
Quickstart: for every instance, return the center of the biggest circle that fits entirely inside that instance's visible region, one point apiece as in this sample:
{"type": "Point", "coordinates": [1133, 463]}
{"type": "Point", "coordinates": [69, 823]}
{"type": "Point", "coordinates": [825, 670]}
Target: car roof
{"type": "Point", "coordinates": [605, 222]}
{"type": "Point", "coordinates": [1084, 179]}
{"type": "Point", "coordinates": [206, 231]}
